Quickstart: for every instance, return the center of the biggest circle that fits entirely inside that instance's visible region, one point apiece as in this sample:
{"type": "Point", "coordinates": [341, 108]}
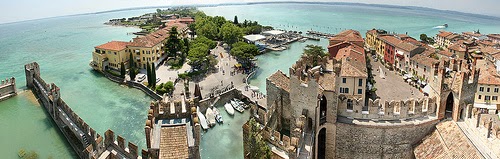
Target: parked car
{"type": "Point", "coordinates": [140, 77]}
{"type": "Point", "coordinates": [157, 80]}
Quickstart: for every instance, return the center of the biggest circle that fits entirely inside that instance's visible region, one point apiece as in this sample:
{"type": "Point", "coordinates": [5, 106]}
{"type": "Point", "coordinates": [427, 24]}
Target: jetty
{"type": "Point", "coordinates": [84, 140]}
{"type": "Point", "coordinates": [319, 34]}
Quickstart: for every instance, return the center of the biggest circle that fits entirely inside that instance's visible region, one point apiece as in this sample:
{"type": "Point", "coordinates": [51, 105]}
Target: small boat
{"type": "Point", "coordinates": [218, 117]}
{"type": "Point", "coordinates": [210, 116]}
{"type": "Point", "coordinates": [203, 120]}
{"type": "Point", "coordinates": [245, 106]}
{"type": "Point", "coordinates": [229, 108]}
{"type": "Point", "coordinates": [237, 106]}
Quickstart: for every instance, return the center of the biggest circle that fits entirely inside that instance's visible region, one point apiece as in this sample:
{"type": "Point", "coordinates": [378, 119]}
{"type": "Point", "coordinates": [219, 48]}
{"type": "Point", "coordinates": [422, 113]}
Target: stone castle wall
{"type": "Point", "coordinates": [361, 141]}
{"type": "Point", "coordinates": [8, 88]}
{"type": "Point", "coordinates": [87, 145]}
{"type": "Point", "coordinates": [393, 110]}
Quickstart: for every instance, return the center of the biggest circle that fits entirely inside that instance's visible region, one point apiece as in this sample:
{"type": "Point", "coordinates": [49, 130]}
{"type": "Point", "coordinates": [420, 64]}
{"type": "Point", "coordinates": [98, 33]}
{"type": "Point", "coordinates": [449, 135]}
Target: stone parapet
{"type": "Point", "coordinates": [8, 88]}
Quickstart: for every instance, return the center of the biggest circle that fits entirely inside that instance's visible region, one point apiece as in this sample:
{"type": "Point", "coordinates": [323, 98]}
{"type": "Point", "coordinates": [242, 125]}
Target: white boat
{"type": "Point", "coordinates": [218, 117]}
{"type": "Point", "coordinates": [210, 116]}
{"type": "Point", "coordinates": [201, 117]}
{"type": "Point", "coordinates": [229, 108]}
{"type": "Point", "coordinates": [241, 103]}
{"type": "Point", "coordinates": [237, 106]}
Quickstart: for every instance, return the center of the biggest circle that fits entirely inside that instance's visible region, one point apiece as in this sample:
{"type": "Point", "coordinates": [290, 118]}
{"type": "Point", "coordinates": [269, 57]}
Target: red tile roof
{"type": "Point", "coordinates": [488, 74]}
{"type": "Point", "coordinates": [113, 45]}
{"type": "Point", "coordinates": [445, 53]}
{"type": "Point", "coordinates": [424, 59]}
{"type": "Point", "coordinates": [444, 34]}
{"type": "Point", "coordinates": [496, 36]}
{"type": "Point", "coordinates": [281, 80]}
{"type": "Point", "coordinates": [353, 61]}
{"type": "Point", "coordinates": [348, 35]}
{"type": "Point", "coordinates": [390, 39]}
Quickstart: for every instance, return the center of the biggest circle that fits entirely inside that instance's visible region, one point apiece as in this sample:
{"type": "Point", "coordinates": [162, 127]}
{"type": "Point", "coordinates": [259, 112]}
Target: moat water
{"type": "Point", "coordinates": [63, 45]}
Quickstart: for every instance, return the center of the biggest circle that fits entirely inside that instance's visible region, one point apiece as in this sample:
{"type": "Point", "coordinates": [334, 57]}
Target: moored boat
{"type": "Point", "coordinates": [218, 117]}
{"type": "Point", "coordinates": [229, 108]}
{"type": "Point", "coordinates": [203, 120]}
{"type": "Point", "coordinates": [210, 116]}
{"type": "Point", "coordinates": [237, 106]}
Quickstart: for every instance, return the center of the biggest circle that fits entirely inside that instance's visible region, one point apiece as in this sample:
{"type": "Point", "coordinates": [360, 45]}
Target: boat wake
{"type": "Point", "coordinates": [441, 26]}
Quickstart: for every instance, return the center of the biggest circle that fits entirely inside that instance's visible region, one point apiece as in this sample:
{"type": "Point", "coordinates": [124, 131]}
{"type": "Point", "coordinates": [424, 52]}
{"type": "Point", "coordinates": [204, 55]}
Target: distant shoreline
{"type": "Point", "coordinates": [279, 2]}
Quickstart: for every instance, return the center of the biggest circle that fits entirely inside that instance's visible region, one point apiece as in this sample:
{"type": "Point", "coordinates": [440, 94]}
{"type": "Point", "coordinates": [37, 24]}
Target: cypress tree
{"type": "Point", "coordinates": [235, 20]}
{"type": "Point", "coordinates": [148, 73]}
{"type": "Point", "coordinates": [122, 70]}
{"type": "Point", "coordinates": [131, 61]}
{"type": "Point", "coordinates": [153, 74]}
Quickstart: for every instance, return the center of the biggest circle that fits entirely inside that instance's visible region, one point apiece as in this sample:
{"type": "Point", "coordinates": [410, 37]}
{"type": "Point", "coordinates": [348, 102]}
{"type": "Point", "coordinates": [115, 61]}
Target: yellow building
{"type": "Point", "coordinates": [488, 86]}
{"type": "Point", "coordinates": [145, 49]}
{"type": "Point", "coordinates": [110, 56]}
{"type": "Point", "coordinates": [374, 43]}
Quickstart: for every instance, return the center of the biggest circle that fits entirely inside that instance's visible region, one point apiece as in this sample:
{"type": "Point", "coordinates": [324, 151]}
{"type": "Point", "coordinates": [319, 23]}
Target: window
{"type": "Point", "coordinates": [341, 90]}
{"type": "Point", "coordinates": [143, 58]}
{"type": "Point", "coordinates": [360, 83]}
{"type": "Point", "coordinates": [496, 90]}
{"type": "Point", "coordinates": [115, 53]}
{"type": "Point", "coordinates": [346, 90]}
{"type": "Point", "coordinates": [486, 97]}
{"type": "Point", "coordinates": [481, 89]}
{"type": "Point", "coordinates": [349, 104]}
{"type": "Point", "coordinates": [479, 97]}
{"type": "Point", "coordinates": [360, 91]}
{"type": "Point", "coordinates": [494, 98]}
{"type": "Point", "coordinates": [344, 80]}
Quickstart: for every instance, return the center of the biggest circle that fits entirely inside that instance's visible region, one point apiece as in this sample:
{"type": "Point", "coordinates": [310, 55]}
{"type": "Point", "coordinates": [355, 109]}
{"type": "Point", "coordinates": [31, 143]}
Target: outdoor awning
{"type": "Point", "coordinates": [427, 89]}
{"type": "Point", "coordinates": [237, 65]}
{"type": "Point", "coordinates": [254, 88]}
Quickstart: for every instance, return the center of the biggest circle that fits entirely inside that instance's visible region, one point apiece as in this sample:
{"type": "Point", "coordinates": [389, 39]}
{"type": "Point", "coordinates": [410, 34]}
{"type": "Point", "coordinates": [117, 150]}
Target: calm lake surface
{"type": "Point", "coordinates": [63, 45]}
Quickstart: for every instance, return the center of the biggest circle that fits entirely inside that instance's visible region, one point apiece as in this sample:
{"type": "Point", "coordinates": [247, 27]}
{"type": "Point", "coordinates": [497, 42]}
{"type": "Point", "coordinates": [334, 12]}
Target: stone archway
{"type": "Point", "coordinates": [321, 154]}
{"type": "Point", "coordinates": [449, 106]}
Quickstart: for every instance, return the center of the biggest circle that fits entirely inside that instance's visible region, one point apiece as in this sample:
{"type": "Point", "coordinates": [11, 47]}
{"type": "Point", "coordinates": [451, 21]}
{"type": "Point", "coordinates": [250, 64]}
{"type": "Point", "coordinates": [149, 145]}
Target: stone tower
{"type": "Point", "coordinates": [453, 84]}
{"type": "Point", "coordinates": [30, 71]}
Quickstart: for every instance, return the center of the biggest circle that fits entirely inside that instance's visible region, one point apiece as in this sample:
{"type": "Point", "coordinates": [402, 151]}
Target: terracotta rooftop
{"type": "Point", "coordinates": [348, 35]}
{"type": "Point", "coordinates": [352, 51]}
{"type": "Point", "coordinates": [490, 50]}
{"type": "Point", "coordinates": [406, 46]}
{"type": "Point", "coordinates": [173, 144]}
{"type": "Point", "coordinates": [446, 141]}
{"type": "Point", "coordinates": [496, 36]}
{"type": "Point", "coordinates": [113, 45]}
{"type": "Point", "coordinates": [390, 39]}
{"type": "Point", "coordinates": [458, 46]}
{"type": "Point", "coordinates": [488, 74]}
{"type": "Point", "coordinates": [280, 79]}
{"type": "Point", "coordinates": [424, 59]}
{"type": "Point", "coordinates": [444, 34]}
{"type": "Point", "coordinates": [445, 53]}
{"type": "Point", "coordinates": [472, 34]}
{"type": "Point", "coordinates": [151, 39]}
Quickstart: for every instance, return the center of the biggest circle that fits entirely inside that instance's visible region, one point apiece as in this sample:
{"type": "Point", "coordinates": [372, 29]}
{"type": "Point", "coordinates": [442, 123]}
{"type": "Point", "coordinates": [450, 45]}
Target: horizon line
{"type": "Point", "coordinates": [269, 2]}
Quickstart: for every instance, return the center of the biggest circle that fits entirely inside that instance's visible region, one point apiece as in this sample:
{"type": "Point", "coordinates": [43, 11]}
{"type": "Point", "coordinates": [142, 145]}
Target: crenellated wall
{"type": "Point", "coordinates": [393, 110]}
{"type": "Point", "coordinates": [8, 88]}
{"type": "Point", "coordinates": [86, 142]}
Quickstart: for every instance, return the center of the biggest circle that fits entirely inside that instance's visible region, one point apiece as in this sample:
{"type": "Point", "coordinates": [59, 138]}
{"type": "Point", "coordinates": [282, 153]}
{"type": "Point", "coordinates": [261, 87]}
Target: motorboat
{"type": "Point", "coordinates": [245, 106]}
{"type": "Point", "coordinates": [218, 117]}
{"type": "Point", "coordinates": [229, 108]}
{"type": "Point", "coordinates": [237, 106]}
{"type": "Point", "coordinates": [210, 117]}
{"type": "Point", "coordinates": [203, 120]}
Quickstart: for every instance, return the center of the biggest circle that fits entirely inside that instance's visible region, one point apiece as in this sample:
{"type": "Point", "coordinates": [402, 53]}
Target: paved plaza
{"type": "Point", "coordinates": [393, 87]}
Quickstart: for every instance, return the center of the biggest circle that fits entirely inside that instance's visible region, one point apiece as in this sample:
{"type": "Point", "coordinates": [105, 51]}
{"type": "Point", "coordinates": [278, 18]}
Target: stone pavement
{"type": "Point", "coordinates": [261, 100]}
{"type": "Point", "coordinates": [393, 87]}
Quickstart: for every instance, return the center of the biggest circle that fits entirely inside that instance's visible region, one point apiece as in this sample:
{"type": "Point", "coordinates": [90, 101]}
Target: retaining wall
{"type": "Point", "coordinates": [8, 88]}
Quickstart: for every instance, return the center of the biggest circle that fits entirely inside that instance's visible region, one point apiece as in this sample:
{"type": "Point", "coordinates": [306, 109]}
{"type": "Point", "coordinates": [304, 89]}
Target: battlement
{"type": "Point", "coordinates": [8, 82]}
{"type": "Point", "coordinates": [118, 144]}
{"type": "Point", "coordinates": [8, 88]}
{"type": "Point", "coordinates": [388, 110]}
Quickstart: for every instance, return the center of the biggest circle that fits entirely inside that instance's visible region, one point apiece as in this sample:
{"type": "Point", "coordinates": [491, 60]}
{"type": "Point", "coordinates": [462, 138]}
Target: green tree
{"type": "Point", "coordinates": [235, 21]}
{"type": "Point", "coordinates": [314, 51]}
{"type": "Point", "coordinates": [131, 61]}
{"type": "Point", "coordinates": [197, 55]}
{"type": "Point", "coordinates": [169, 87]}
{"type": "Point", "coordinates": [148, 73]}
{"type": "Point", "coordinates": [172, 44]}
{"type": "Point", "coordinates": [244, 52]}
{"type": "Point", "coordinates": [424, 37]}
{"type": "Point", "coordinates": [257, 147]}
{"type": "Point", "coordinates": [231, 33]}
{"type": "Point", "coordinates": [153, 74]}
{"type": "Point", "coordinates": [202, 39]}
{"type": "Point", "coordinates": [132, 68]}
{"type": "Point", "coordinates": [205, 27]}
{"type": "Point", "coordinates": [122, 70]}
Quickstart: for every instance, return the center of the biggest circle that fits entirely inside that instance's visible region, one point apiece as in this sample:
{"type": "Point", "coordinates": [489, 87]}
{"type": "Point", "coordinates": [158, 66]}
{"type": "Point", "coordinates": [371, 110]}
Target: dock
{"type": "Point", "coordinates": [319, 34]}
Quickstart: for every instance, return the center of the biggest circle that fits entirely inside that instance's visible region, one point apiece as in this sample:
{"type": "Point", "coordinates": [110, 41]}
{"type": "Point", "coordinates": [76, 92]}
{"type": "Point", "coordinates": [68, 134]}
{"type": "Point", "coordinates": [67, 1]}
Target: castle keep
{"type": "Point", "coordinates": [311, 108]}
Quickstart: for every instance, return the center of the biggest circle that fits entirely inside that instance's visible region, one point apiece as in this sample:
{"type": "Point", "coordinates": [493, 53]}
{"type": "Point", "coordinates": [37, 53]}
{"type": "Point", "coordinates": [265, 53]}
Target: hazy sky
{"type": "Point", "coordinates": [20, 10]}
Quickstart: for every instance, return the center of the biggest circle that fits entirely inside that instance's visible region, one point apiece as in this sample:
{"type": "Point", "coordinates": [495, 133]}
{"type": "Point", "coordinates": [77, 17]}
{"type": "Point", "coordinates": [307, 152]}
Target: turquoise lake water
{"type": "Point", "coordinates": [62, 46]}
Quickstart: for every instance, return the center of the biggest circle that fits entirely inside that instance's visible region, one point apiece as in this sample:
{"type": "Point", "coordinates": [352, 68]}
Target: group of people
{"type": "Point", "coordinates": [258, 95]}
